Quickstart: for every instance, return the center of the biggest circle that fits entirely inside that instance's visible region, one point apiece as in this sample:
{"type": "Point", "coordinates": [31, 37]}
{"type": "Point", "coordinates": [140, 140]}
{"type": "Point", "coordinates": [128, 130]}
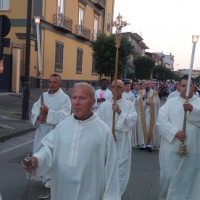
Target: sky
{"type": "Point", "coordinates": [165, 25]}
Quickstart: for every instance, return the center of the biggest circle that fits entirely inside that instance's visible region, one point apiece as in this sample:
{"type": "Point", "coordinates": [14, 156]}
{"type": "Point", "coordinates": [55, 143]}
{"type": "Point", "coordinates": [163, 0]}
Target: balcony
{"type": "Point", "coordinates": [62, 22]}
{"type": "Point", "coordinates": [100, 4]}
{"type": "Point", "coordinates": [82, 32]}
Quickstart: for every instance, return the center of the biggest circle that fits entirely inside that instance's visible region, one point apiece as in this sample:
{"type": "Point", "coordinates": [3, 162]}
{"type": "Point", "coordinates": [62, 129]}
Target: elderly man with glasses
{"type": "Point", "coordinates": [125, 118]}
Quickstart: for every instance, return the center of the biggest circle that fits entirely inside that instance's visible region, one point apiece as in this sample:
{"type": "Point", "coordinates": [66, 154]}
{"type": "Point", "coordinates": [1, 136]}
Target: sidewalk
{"type": "Point", "coordinates": [11, 123]}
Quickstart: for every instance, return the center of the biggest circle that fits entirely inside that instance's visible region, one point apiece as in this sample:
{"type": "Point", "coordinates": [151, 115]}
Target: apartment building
{"type": "Point", "coordinates": [67, 30]}
{"type": "Point", "coordinates": [139, 48]}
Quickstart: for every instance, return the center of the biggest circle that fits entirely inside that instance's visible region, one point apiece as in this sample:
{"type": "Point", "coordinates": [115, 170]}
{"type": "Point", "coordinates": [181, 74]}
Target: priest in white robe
{"type": "Point", "coordinates": [57, 106]}
{"type": "Point", "coordinates": [125, 118]}
{"type": "Point", "coordinates": [147, 106]}
{"type": "Point", "coordinates": [180, 176]}
{"type": "Point", "coordinates": [175, 93]}
{"type": "Point", "coordinates": [82, 153]}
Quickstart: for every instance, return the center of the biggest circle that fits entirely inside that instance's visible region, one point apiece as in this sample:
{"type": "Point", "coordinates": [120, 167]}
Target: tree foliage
{"type": "Point", "coordinates": [104, 52]}
{"type": "Point", "coordinates": [143, 67]}
{"type": "Point", "coordinates": [162, 73]}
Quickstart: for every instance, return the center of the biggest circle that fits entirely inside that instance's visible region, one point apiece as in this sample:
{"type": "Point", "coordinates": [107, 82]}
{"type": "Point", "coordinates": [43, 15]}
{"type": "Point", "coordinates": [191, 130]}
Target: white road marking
{"type": "Point", "coordinates": [15, 147]}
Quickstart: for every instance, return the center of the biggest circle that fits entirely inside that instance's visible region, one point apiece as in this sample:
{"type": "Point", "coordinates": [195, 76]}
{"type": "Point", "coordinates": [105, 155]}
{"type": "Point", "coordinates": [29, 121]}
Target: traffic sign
{"type": "Point", "coordinates": [5, 25]}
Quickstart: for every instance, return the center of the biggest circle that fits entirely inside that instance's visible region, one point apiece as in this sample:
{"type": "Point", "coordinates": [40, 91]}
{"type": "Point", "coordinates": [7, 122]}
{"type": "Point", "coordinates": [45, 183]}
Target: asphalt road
{"type": "Point", "coordinates": [143, 183]}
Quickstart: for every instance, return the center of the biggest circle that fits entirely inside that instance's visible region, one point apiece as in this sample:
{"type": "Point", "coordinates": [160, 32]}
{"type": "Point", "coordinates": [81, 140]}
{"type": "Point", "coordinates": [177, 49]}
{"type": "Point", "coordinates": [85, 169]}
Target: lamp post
{"type": "Point", "coordinates": [37, 23]}
{"type": "Point", "coordinates": [183, 150]}
{"type": "Point", "coordinates": [119, 24]}
{"type": "Point", "coordinates": [25, 78]}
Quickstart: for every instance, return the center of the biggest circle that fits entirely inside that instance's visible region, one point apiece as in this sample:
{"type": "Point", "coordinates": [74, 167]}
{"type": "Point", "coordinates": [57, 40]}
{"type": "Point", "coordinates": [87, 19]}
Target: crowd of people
{"type": "Point", "coordinates": [80, 156]}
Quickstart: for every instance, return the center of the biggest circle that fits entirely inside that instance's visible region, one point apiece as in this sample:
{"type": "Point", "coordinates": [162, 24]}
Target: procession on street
{"type": "Point", "coordinates": [82, 150]}
{"type": "Point", "coordinates": [84, 141]}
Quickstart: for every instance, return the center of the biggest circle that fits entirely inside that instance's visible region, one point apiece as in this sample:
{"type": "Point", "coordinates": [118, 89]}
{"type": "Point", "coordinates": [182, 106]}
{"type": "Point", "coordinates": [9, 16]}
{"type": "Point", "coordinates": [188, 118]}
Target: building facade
{"type": "Point", "coordinates": [139, 48]}
{"type": "Point", "coordinates": [67, 30]}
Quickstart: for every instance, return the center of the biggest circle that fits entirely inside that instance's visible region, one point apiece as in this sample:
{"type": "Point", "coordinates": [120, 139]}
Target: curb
{"type": "Point", "coordinates": [14, 133]}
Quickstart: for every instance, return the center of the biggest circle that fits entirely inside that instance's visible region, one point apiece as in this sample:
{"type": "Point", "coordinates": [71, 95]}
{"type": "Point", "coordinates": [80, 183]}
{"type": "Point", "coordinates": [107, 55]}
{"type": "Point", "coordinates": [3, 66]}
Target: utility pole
{"type": "Point", "coordinates": [25, 78]}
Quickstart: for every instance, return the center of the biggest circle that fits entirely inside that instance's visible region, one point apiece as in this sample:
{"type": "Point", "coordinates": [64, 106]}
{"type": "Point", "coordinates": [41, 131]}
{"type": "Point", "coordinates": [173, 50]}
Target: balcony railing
{"type": "Point", "coordinates": [62, 22]}
{"type": "Point", "coordinates": [100, 4]}
{"type": "Point", "coordinates": [82, 32]}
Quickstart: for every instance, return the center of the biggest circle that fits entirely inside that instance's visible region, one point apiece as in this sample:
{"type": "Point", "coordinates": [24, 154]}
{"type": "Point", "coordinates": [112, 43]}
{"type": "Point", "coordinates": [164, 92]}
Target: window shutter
{"type": "Point", "coordinates": [79, 60]}
{"type": "Point", "coordinates": [6, 4]}
{"type": "Point", "coordinates": [59, 57]}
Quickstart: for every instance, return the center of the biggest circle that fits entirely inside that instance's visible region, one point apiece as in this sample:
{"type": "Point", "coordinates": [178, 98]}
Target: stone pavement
{"type": "Point", "coordinates": [11, 123]}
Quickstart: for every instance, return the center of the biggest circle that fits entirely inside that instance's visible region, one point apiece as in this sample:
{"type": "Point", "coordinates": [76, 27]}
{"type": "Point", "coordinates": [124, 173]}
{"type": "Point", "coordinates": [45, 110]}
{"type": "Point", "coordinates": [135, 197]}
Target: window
{"type": "Point", "coordinates": [108, 22]}
{"type": "Point", "coordinates": [93, 65]}
{"type": "Point", "coordinates": [59, 56]}
{"type": "Point", "coordinates": [79, 60]}
{"type": "Point", "coordinates": [61, 6]}
{"type": "Point", "coordinates": [4, 4]}
{"type": "Point", "coordinates": [81, 16]}
{"type": "Point", "coordinates": [80, 21]}
{"type": "Point", "coordinates": [96, 23]}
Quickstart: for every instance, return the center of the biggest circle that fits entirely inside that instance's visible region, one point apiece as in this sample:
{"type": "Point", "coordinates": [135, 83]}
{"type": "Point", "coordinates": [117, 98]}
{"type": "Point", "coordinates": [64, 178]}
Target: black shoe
{"type": "Point", "coordinates": [149, 149]}
{"type": "Point", "coordinates": [141, 148]}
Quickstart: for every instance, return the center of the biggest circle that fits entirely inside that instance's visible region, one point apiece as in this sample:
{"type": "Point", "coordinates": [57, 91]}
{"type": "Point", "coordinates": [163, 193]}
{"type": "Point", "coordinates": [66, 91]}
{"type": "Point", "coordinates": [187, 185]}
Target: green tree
{"type": "Point", "coordinates": [143, 67]}
{"type": "Point", "coordinates": [104, 53]}
{"type": "Point", "coordinates": [162, 73]}
{"type": "Point", "coordinates": [159, 72]}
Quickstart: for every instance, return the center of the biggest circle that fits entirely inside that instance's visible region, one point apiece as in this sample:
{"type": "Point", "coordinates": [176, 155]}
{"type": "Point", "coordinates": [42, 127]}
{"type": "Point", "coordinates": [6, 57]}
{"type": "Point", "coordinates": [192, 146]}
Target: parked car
{"type": "Point", "coordinates": [125, 80]}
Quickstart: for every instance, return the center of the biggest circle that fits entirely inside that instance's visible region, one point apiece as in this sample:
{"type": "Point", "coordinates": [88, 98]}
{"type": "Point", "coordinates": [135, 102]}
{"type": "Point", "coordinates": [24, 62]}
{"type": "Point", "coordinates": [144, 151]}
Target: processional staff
{"type": "Point", "coordinates": [26, 161]}
{"type": "Point", "coordinates": [119, 24]}
{"type": "Point", "coordinates": [37, 23]}
{"type": "Point", "coordinates": [183, 149]}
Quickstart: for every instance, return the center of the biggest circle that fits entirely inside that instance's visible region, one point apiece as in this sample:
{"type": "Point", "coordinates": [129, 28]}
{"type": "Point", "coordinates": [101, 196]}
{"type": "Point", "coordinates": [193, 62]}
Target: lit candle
{"type": "Point", "coordinates": [194, 41]}
{"type": "Point", "coordinates": [37, 22]}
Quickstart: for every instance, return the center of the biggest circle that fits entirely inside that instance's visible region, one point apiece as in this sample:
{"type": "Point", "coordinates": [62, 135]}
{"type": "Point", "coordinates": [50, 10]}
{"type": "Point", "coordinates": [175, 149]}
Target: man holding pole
{"type": "Point", "coordinates": [180, 175]}
{"type": "Point", "coordinates": [56, 107]}
{"type": "Point", "coordinates": [81, 152]}
{"type": "Point", "coordinates": [125, 118]}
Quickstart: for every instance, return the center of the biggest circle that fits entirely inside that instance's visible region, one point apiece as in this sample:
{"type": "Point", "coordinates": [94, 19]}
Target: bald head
{"type": "Point", "coordinates": [120, 89]}
{"type": "Point", "coordinates": [119, 83]}
{"type": "Point", "coordinates": [82, 100]}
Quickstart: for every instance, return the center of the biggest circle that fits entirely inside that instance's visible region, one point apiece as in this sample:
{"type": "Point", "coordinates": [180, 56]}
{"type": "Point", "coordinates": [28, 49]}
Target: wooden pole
{"type": "Point", "coordinates": [115, 90]}
{"type": "Point", "coordinates": [119, 24]}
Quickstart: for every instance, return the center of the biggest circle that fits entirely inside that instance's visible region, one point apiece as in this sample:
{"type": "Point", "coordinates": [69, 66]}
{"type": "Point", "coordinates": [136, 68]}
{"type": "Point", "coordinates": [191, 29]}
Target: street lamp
{"type": "Point", "coordinates": [183, 150]}
{"type": "Point", "coordinates": [37, 23]}
{"type": "Point", "coordinates": [25, 78]}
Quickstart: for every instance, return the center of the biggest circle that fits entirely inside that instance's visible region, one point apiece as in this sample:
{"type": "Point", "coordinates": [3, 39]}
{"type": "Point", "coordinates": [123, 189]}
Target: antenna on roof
{"type": "Point", "coordinates": [141, 34]}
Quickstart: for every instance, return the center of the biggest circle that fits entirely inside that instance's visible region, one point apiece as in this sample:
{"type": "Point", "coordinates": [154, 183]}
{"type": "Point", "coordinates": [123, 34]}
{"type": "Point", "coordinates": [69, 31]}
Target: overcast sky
{"type": "Point", "coordinates": [165, 25]}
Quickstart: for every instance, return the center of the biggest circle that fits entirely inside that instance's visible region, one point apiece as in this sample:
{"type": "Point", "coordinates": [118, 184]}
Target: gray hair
{"type": "Point", "coordinates": [88, 86]}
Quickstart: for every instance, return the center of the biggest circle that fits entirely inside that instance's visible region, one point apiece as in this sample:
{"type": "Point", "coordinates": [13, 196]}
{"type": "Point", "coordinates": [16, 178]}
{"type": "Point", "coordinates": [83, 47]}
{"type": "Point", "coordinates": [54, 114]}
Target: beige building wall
{"type": "Point", "coordinates": [17, 9]}
{"type": "Point", "coordinates": [49, 36]}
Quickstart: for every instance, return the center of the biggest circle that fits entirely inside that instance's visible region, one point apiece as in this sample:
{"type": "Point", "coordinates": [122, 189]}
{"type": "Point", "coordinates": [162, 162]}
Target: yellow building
{"type": "Point", "coordinates": [67, 30]}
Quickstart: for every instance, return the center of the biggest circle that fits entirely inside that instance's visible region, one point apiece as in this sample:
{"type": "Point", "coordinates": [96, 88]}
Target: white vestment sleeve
{"type": "Point", "coordinates": [54, 117]}
{"type": "Point", "coordinates": [194, 117]}
{"type": "Point", "coordinates": [111, 171]}
{"type": "Point", "coordinates": [35, 112]}
{"type": "Point", "coordinates": [166, 128]}
{"type": "Point", "coordinates": [45, 154]}
{"type": "Point", "coordinates": [126, 120]}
